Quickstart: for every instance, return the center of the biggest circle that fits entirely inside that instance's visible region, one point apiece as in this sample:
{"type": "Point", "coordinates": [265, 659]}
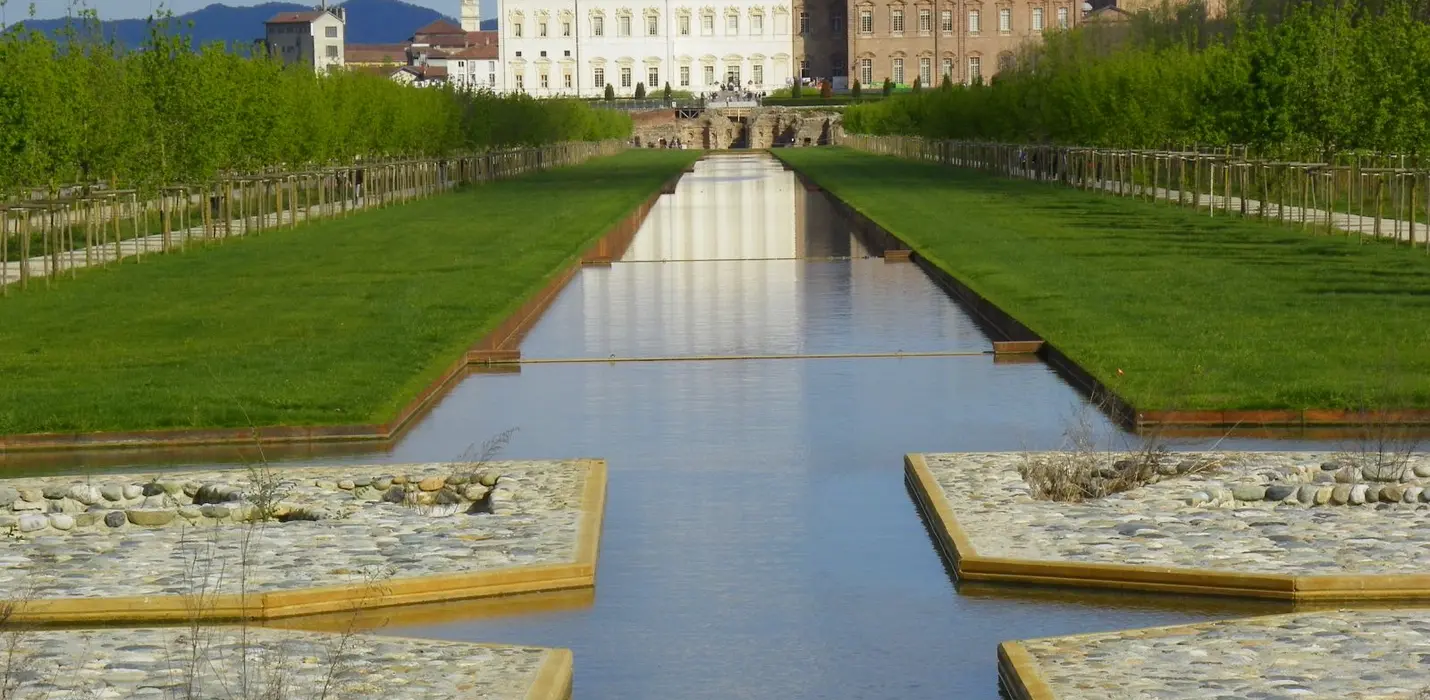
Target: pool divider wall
{"type": "Point", "coordinates": [499, 345]}
{"type": "Point", "coordinates": [1004, 329]}
{"type": "Point", "coordinates": [554, 678]}
{"type": "Point", "coordinates": [1018, 674]}
{"type": "Point", "coordinates": [579, 573]}
{"type": "Point", "coordinates": [960, 555]}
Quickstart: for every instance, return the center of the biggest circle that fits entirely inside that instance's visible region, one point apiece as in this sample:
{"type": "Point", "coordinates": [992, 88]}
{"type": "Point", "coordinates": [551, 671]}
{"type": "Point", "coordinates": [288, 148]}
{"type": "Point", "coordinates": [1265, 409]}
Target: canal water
{"type": "Point", "coordinates": [759, 541]}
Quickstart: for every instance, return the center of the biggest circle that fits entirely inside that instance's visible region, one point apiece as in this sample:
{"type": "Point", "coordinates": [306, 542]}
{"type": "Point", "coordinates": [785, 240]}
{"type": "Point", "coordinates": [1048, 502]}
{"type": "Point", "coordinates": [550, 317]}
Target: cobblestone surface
{"type": "Point", "coordinates": [168, 663]}
{"type": "Point", "coordinates": [1322, 655]}
{"type": "Point", "coordinates": [374, 523]}
{"type": "Point", "coordinates": [1188, 521]}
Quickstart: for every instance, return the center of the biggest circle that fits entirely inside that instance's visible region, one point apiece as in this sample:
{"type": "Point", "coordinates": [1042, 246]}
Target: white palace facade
{"type": "Point", "coordinates": [578, 47]}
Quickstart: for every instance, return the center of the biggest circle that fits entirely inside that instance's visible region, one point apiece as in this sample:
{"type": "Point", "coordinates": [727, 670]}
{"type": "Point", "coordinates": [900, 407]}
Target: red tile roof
{"type": "Point", "coordinates": [295, 17]}
{"type": "Point", "coordinates": [375, 53]}
{"type": "Point", "coordinates": [440, 26]}
{"type": "Point", "coordinates": [483, 38]}
{"type": "Point", "coordinates": [481, 51]}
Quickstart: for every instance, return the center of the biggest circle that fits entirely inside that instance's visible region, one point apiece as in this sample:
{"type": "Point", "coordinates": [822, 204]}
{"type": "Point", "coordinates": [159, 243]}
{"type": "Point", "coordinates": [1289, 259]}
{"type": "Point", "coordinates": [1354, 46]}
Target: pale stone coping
{"type": "Point", "coordinates": [530, 516]}
{"type": "Point", "coordinates": [1172, 525]}
{"type": "Point", "coordinates": [1341, 654]}
{"type": "Point", "coordinates": [207, 662]}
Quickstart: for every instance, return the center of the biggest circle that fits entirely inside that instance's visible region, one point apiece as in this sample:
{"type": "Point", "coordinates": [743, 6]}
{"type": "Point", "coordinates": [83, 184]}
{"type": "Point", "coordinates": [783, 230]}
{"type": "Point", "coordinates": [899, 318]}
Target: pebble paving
{"type": "Point", "coordinates": [193, 533]}
{"type": "Point", "coordinates": [1355, 655]}
{"type": "Point", "coordinates": [1196, 520]}
{"type": "Point", "coordinates": [226, 662]}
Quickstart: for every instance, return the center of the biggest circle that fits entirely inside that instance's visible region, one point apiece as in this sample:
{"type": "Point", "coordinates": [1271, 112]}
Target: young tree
{"type": "Point", "coordinates": [796, 90]}
{"type": "Point", "coordinates": [667, 91]}
{"type": "Point", "coordinates": [918, 85]}
{"type": "Point", "coordinates": [640, 91]}
{"type": "Point", "coordinates": [888, 86]}
{"type": "Point", "coordinates": [857, 90]}
{"type": "Point", "coordinates": [610, 92]}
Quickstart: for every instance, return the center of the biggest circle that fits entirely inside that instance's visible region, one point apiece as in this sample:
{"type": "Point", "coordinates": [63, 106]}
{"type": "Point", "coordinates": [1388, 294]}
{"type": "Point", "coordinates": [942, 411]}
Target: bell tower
{"type": "Point", "coordinates": [471, 16]}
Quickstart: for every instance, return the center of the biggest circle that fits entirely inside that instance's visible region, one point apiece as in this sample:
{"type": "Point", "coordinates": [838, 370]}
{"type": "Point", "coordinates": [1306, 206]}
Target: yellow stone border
{"type": "Point", "coordinates": [968, 565]}
{"type": "Point", "coordinates": [1019, 673]}
{"type": "Point", "coordinates": [554, 678]}
{"type": "Point", "coordinates": [581, 573]}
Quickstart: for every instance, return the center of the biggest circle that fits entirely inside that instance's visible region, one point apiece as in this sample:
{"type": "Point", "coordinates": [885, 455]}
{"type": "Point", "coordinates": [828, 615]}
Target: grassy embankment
{"type": "Point", "coordinates": [1198, 312]}
{"type": "Point", "coordinates": [337, 322]}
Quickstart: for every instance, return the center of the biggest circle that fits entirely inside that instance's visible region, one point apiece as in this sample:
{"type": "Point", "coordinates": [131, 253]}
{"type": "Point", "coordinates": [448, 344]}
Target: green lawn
{"type": "Point", "coordinates": [1198, 312]}
{"type": "Point", "coordinates": [337, 322]}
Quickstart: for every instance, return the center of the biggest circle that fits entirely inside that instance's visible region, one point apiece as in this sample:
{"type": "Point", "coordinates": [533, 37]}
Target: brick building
{"type": "Point", "coordinates": [904, 40]}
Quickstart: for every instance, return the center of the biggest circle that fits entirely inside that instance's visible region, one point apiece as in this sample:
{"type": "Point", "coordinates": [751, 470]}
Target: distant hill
{"type": "Point", "coordinates": [369, 22]}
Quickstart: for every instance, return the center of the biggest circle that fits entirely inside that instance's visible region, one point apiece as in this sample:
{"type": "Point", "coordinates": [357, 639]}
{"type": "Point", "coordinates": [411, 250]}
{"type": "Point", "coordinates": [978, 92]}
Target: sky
{"type": "Point", "coordinates": [16, 10]}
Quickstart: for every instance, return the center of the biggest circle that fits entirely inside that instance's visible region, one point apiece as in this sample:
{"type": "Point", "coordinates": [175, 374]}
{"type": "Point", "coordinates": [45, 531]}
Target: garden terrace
{"type": "Point", "coordinates": [146, 547]}
{"type": "Point", "coordinates": [1166, 308]}
{"type": "Point", "coordinates": [1290, 526]}
{"type": "Point", "coordinates": [1343, 654]}
{"type": "Point", "coordinates": [227, 661]}
{"type": "Point", "coordinates": [341, 323]}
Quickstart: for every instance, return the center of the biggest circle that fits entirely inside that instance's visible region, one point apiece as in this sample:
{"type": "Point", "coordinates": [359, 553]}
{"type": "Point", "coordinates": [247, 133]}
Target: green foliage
{"type": "Point", "coordinates": [888, 87]}
{"type": "Point", "coordinates": [856, 91]}
{"type": "Point", "coordinates": [610, 92]}
{"type": "Point", "coordinates": [918, 86]}
{"type": "Point", "coordinates": [667, 92]}
{"type": "Point", "coordinates": [80, 109]}
{"type": "Point", "coordinates": [796, 90]}
{"type": "Point", "coordinates": [1321, 77]}
{"type": "Point", "coordinates": [640, 91]}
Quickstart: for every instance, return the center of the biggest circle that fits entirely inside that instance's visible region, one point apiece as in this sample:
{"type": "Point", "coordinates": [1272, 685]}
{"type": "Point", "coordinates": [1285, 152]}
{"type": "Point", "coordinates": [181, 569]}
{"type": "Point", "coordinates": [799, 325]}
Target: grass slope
{"type": "Point", "coordinates": [338, 322]}
{"type": "Point", "coordinates": [1199, 312]}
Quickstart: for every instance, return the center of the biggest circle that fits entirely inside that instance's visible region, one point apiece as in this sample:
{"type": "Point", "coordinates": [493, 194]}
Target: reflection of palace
{"type": "Point", "coordinates": [728, 209]}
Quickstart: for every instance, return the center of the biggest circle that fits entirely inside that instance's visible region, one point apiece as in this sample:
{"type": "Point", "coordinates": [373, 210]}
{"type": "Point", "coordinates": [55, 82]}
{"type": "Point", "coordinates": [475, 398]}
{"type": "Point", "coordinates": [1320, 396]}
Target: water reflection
{"type": "Point", "coordinates": [759, 541]}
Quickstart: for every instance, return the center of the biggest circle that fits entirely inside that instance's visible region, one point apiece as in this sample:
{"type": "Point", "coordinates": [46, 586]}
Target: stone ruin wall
{"type": "Point", "coordinates": [764, 128]}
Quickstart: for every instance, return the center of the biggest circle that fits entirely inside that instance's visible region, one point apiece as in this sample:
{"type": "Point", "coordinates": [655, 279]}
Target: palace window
{"type": "Point", "coordinates": [652, 25]}
{"type": "Point", "coordinates": [945, 20]}
{"type": "Point", "coordinates": [973, 22]}
{"type": "Point", "coordinates": [623, 25]}
{"type": "Point", "coordinates": [1062, 18]}
{"type": "Point", "coordinates": [707, 25]}
{"type": "Point", "coordinates": [836, 22]}
{"type": "Point", "coordinates": [925, 71]}
{"type": "Point", "coordinates": [599, 77]}
{"type": "Point", "coordinates": [566, 78]}
{"type": "Point", "coordinates": [803, 22]}
{"type": "Point", "coordinates": [1005, 20]}
{"type": "Point", "coordinates": [866, 22]}
{"type": "Point", "coordinates": [757, 73]}
{"type": "Point", "coordinates": [896, 22]}
{"type": "Point", "coordinates": [1037, 19]}
{"type": "Point", "coordinates": [516, 30]}
{"type": "Point", "coordinates": [757, 24]}
{"type": "Point", "coordinates": [866, 70]}
{"type": "Point", "coordinates": [898, 71]}
{"type": "Point", "coordinates": [520, 81]}
{"type": "Point", "coordinates": [732, 24]}
{"type": "Point", "coordinates": [975, 69]}
{"type": "Point", "coordinates": [925, 21]}
{"type": "Point", "coordinates": [545, 80]}
{"type": "Point", "coordinates": [331, 32]}
{"type": "Point", "coordinates": [625, 77]}
{"type": "Point", "coordinates": [598, 26]}
{"type": "Point", "coordinates": [654, 78]}
{"type": "Point", "coordinates": [947, 70]}
{"type": "Point", "coordinates": [683, 25]}
{"type": "Point", "coordinates": [685, 76]}
{"type": "Point", "coordinates": [541, 29]}
{"type": "Point", "coordinates": [565, 29]}
{"type": "Point", "coordinates": [709, 75]}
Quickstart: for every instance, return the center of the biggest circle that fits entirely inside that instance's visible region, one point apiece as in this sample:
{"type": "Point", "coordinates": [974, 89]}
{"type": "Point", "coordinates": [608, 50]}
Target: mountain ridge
{"type": "Point", "coordinates": [369, 22]}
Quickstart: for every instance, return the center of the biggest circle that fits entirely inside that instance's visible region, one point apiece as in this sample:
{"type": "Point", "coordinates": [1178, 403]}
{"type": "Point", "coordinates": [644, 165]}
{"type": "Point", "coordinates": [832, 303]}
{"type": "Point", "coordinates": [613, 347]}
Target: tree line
{"type": "Point", "coordinates": [1285, 78]}
{"type": "Point", "coordinates": [76, 109]}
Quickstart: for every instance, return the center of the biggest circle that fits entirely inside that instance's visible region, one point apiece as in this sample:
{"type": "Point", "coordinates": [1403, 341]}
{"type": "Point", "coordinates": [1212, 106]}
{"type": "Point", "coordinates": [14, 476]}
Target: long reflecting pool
{"type": "Point", "coordinates": [759, 541]}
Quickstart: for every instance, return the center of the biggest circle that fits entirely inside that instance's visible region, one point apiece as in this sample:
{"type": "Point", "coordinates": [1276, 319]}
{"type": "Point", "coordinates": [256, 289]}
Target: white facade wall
{"type": "Point", "coordinates": [318, 43]}
{"type": "Point", "coordinates": [694, 47]}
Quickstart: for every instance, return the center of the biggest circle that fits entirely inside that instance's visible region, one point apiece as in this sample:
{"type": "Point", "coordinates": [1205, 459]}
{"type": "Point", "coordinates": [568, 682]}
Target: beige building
{"type": "Point", "coordinates": [904, 40]}
{"type": "Point", "coordinates": [313, 38]}
{"type": "Point", "coordinates": [821, 40]}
